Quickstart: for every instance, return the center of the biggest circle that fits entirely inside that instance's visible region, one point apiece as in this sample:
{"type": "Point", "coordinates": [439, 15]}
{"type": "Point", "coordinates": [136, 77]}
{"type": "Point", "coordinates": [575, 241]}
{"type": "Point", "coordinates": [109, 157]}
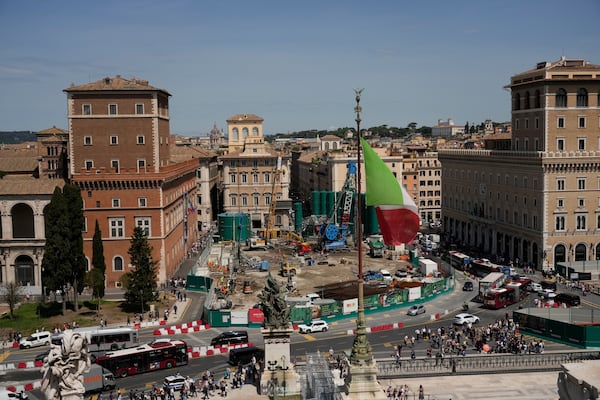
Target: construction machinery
{"type": "Point", "coordinates": [271, 231]}
{"type": "Point", "coordinates": [333, 235]}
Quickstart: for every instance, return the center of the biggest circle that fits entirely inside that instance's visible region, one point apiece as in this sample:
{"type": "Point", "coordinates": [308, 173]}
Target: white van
{"type": "Point", "coordinates": [36, 339]}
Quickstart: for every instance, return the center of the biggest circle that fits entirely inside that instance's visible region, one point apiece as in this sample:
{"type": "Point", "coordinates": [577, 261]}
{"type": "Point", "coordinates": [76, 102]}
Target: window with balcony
{"type": "Point", "coordinates": [560, 144]}
{"type": "Point", "coordinates": [581, 144]}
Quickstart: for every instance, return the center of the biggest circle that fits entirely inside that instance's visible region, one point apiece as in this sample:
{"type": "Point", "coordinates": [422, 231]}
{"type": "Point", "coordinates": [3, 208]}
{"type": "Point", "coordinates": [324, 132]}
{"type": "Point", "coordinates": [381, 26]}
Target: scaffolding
{"type": "Point", "coordinates": [317, 379]}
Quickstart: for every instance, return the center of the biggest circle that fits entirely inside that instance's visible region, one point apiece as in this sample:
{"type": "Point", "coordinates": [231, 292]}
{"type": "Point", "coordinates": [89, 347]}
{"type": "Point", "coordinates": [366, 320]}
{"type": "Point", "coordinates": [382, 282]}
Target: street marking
{"type": "Point", "coordinates": [387, 344]}
{"type": "Point", "coordinates": [310, 338]}
{"type": "Point", "coordinates": [4, 355]}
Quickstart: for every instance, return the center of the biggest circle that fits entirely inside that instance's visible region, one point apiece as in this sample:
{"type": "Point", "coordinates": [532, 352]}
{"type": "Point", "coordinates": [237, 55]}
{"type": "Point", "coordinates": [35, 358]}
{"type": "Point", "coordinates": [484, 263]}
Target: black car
{"type": "Point", "coordinates": [229, 338]}
{"type": "Point", "coordinates": [468, 286]}
{"type": "Point", "coordinates": [570, 299]}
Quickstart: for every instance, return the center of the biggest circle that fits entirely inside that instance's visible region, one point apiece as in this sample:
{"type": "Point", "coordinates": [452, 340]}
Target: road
{"type": "Point", "coordinates": [337, 338]}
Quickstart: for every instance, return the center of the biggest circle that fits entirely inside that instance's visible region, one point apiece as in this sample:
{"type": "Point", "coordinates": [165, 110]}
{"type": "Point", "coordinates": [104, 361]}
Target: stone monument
{"type": "Point", "coordinates": [279, 379]}
{"type": "Point", "coordinates": [64, 367]}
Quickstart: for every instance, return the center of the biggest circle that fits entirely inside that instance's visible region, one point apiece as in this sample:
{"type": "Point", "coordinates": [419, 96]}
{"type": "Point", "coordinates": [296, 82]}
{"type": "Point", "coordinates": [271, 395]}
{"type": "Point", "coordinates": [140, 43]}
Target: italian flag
{"type": "Point", "coordinates": [397, 213]}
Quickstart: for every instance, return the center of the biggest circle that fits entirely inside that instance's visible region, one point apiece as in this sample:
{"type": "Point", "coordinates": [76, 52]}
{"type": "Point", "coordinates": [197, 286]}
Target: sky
{"type": "Point", "coordinates": [293, 63]}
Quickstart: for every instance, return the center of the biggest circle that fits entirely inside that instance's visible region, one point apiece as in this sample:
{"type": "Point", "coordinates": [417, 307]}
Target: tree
{"type": "Point", "coordinates": [98, 261]}
{"type": "Point", "coordinates": [63, 264]}
{"type": "Point", "coordinates": [56, 267]}
{"type": "Point", "coordinates": [74, 204]}
{"type": "Point", "coordinates": [140, 283]}
{"type": "Point", "coordinates": [12, 296]}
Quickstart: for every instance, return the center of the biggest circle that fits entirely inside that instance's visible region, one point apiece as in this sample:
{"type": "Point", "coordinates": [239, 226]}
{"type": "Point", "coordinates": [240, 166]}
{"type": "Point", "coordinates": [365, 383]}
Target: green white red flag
{"type": "Point", "coordinates": [397, 213]}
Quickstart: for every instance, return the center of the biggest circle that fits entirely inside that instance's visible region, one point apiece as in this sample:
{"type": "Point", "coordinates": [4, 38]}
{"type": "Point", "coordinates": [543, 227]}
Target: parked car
{"type": "Point", "coordinates": [416, 309]}
{"type": "Point", "coordinates": [468, 286]}
{"type": "Point", "coordinates": [35, 340]}
{"type": "Point", "coordinates": [464, 318]}
{"type": "Point", "coordinates": [315, 326]}
{"type": "Point", "coordinates": [387, 277]}
{"type": "Point", "coordinates": [174, 381]}
{"type": "Point", "coordinates": [401, 273]}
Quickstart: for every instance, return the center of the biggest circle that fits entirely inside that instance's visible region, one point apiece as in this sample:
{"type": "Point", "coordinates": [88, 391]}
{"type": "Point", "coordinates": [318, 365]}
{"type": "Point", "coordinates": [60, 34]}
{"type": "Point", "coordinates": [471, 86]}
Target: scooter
{"type": "Point", "coordinates": [465, 307]}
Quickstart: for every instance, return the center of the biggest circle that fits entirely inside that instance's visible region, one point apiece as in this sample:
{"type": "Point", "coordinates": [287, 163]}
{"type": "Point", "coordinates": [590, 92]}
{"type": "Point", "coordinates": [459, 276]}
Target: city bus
{"type": "Point", "coordinates": [481, 267]}
{"type": "Point", "coordinates": [104, 339]}
{"type": "Point", "coordinates": [499, 298]}
{"type": "Point", "coordinates": [459, 260]}
{"type": "Point", "coordinates": [160, 354]}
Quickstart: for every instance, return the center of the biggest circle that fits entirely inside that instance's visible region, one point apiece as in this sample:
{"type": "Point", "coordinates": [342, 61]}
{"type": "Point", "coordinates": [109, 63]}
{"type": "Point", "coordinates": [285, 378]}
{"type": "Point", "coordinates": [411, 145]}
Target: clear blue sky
{"type": "Point", "coordinates": [293, 63]}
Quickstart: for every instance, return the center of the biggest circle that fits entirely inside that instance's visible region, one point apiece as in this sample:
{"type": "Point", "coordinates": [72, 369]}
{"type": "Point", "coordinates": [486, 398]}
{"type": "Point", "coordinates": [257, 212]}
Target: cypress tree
{"type": "Point", "coordinates": [98, 263]}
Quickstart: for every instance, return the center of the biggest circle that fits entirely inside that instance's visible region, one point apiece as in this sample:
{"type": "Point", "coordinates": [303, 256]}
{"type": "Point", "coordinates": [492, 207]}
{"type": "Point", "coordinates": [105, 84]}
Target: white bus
{"type": "Point", "coordinates": [105, 339]}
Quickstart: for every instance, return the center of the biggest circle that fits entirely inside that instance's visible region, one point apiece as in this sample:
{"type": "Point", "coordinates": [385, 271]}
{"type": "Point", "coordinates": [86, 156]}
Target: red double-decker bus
{"type": "Point", "coordinates": [160, 354]}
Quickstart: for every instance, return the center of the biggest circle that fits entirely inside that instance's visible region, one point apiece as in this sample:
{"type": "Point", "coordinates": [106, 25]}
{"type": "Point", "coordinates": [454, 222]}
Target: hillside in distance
{"type": "Point", "coordinates": [15, 137]}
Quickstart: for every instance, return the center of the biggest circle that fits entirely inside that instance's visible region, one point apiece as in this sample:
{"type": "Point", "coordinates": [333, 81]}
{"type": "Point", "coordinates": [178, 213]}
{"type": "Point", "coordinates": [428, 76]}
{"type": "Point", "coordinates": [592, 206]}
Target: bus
{"type": "Point", "coordinates": [104, 339]}
{"type": "Point", "coordinates": [499, 298]}
{"type": "Point", "coordinates": [459, 260]}
{"type": "Point", "coordinates": [481, 267]}
{"type": "Point", "coordinates": [160, 354]}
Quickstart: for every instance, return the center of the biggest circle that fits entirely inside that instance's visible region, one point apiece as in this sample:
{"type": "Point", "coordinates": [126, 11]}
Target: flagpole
{"type": "Point", "coordinates": [361, 349]}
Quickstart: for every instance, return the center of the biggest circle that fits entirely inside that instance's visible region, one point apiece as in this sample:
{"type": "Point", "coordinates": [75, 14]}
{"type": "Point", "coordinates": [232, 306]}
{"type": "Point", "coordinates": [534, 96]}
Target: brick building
{"type": "Point", "coordinates": [119, 148]}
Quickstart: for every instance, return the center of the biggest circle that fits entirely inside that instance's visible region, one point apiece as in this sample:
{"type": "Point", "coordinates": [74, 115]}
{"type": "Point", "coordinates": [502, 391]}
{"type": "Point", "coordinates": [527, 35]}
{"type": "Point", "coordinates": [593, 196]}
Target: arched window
{"type": "Point", "coordinates": [517, 102]}
{"type": "Point", "coordinates": [538, 100]}
{"type": "Point", "coordinates": [561, 98]}
{"type": "Point", "coordinates": [581, 252]}
{"type": "Point", "coordinates": [118, 263]}
{"type": "Point", "coordinates": [24, 275]}
{"type": "Point", "coordinates": [22, 221]}
{"type": "Point", "coordinates": [245, 132]}
{"type": "Point", "coordinates": [582, 98]}
{"type": "Point", "coordinates": [527, 104]}
{"type": "Point", "coordinates": [560, 254]}
{"type": "Point", "coordinates": [235, 133]}
{"type": "Point", "coordinates": [255, 131]}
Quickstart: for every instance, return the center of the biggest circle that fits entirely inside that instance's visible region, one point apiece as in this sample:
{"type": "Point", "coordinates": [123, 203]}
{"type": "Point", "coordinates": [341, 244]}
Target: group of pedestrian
{"type": "Point", "coordinates": [402, 392]}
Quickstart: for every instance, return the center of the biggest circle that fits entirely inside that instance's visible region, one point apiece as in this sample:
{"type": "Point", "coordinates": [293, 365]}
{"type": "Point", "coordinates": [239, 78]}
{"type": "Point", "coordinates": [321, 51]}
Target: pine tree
{"type": "Point", "coordinates": [97, 274]}
{"type": "Point", "coordinates": [56, 262]}
{"type": "Point", "coordinates": [74, 202]}
{"type": "Point", "coordinates": [140, 283]}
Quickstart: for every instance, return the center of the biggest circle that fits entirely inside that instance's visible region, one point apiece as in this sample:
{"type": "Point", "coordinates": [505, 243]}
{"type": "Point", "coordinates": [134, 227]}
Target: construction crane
{"type": "Point", "coordinates": [332, 235]}
{"type": "Point", "coordinates": [270, 231]}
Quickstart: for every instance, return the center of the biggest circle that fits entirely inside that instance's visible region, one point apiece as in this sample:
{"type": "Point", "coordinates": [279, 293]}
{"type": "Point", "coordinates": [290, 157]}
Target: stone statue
{"type": "Point", "coordinates": [274, 306]}
{"type": "Point", "coordinates": [64, 367]}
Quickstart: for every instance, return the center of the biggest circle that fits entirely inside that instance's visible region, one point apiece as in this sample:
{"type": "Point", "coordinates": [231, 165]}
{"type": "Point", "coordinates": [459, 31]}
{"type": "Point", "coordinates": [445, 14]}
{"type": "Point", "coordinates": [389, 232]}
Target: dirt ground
{"type": "Point", "coordinates": [327, 269]}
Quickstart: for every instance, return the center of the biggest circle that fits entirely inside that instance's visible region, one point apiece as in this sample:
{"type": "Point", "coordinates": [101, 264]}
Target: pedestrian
{"type": "Point", "coordinates": [421, 393]}
{"type": "Point", "coordinates": [175, 309]}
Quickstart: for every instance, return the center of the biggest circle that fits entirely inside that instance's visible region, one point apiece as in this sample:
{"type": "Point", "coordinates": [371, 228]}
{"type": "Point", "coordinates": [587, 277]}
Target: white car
{"type": "Point", "coordinates": [36, 339]}
{"type": "Point", "coordinates": [174, 381]}
{"type": "Point", "coordinates": [464, 318]}
{"type": "Point", "coordinates": [314, 326]}
{"type": "Point", "coordinates": [547, 294]}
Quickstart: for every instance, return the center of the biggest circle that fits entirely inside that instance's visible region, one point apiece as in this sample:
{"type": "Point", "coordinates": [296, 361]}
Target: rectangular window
{"type": "Point", "coordinates": [560, 203]}
{"type": "Point", "coordinates": [255, 200]}
{"type": "Point", "coordinates": [581, 122]}
{"type": "Point", "coordinates": [526, 123]}
{"type": "Point", "coordinates": [139, 108]}
{"type": "Point", "coordinates": [244, 178]}
{"type": "Point", "coordinates": [244, 200]}
{"type": "Point", "coordinates": [581, 144]}
{"type": "Point", "coordinates": [141, 139]}
{"type": "Point", "coordinates": [114, 164]}
{"type": "Point", "coordinates": [112, 109]}
{"type": "Point", "coordinates": [117, 227]}
{"type": "Point", "coordinates": [114, 140]}
{"type": "Point", "coordinates": [581, 202]}
{"type": "Point", "coordinates": [232, 178]}
{"type": "Point", "coordinates": [534, 220]}
{"type": "Point", "coordinates": [87, 140]}
{"type": "Point", "coordinates": [87, 109]}
{"type": "Point", "coordinates": [141, 164]}
{"type": "Point", "coordinates": [581, 222]}
{"type": "Point", "coordinates": [89, 164]}
{"type": "Point", "coordinates": [580, 183]}
{"type": "Point", "coordinates": [84, 228]}
{"type": "Point", "coordinates": [144, 223]}
{"type": "Point", "coordinates": [233, 200]}
{"type": "Point", "coordinates": [537, 123]}
{"type": "Point", "coordinates": [254, 178]}
{"type": "Point", "coordinates": [142, 202]}
{"type": "Point", "coordinates": [560, 144]}
{"type": "Point", "coordinates": [560, 122]}
{"type": "Point", "coordinates": [560, 184]}
{"type": "Point", "coordinates": [559, 223]}
{"type": "Point", "coordinates": [116, 203]}
{"type": "Point", "coordinates": [267, 178]}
